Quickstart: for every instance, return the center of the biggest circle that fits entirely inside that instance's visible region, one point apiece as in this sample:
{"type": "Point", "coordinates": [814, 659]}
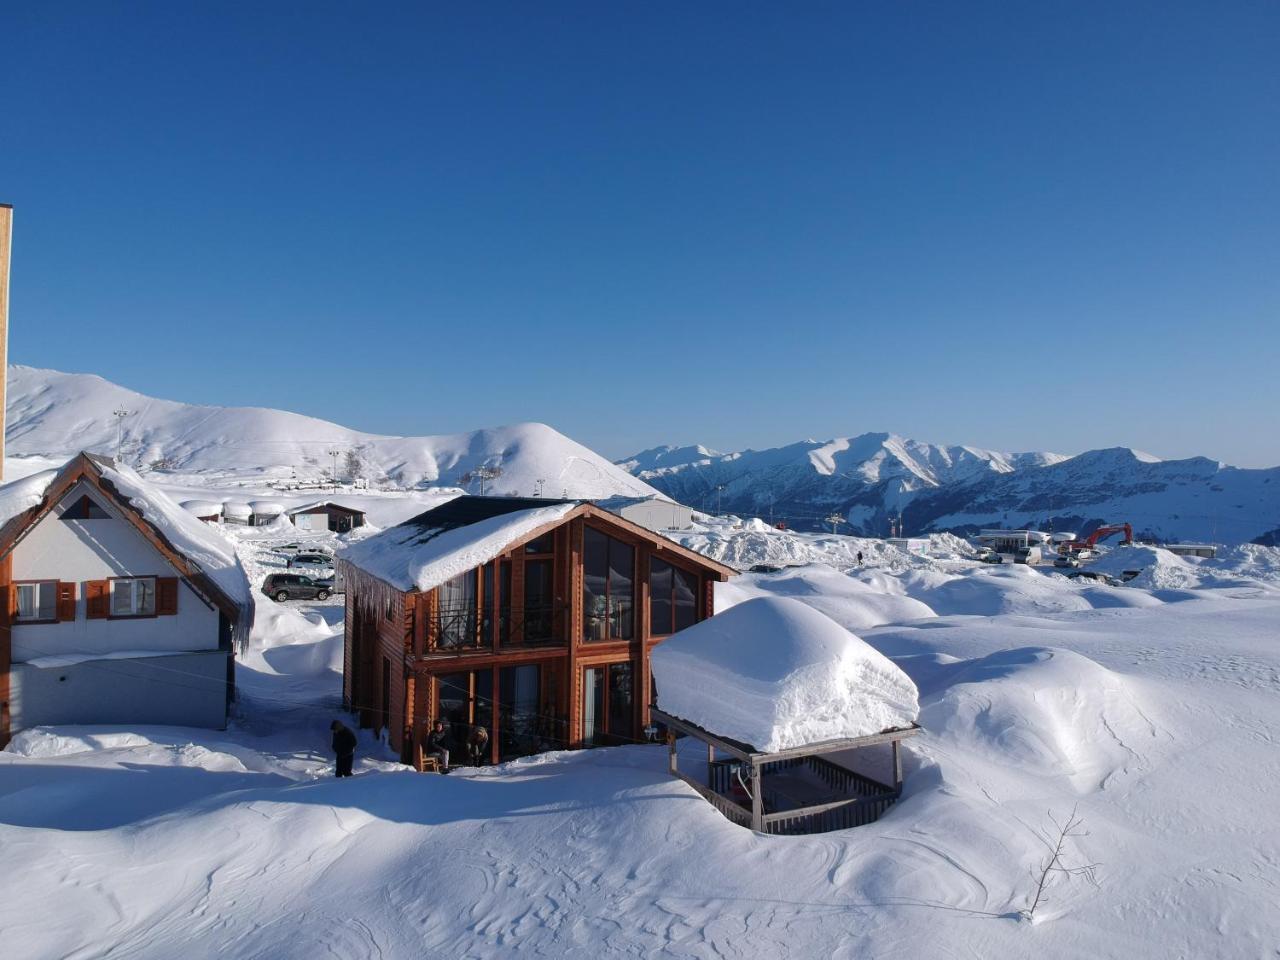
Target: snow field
{"type": "Point", "coordinates": [1153, 711]}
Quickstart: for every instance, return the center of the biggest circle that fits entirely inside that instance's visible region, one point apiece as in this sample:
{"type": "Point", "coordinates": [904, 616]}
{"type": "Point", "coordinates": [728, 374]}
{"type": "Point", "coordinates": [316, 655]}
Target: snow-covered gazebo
{"type": "Point", "coordinates": [792, 700]}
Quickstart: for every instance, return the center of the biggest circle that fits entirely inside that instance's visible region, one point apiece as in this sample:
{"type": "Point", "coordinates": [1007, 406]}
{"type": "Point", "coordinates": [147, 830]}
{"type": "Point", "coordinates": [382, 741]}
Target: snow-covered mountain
{"type": "Point", "coordinates": [867, 479]}
{"type": "Point", "coordinates": [58, 414]}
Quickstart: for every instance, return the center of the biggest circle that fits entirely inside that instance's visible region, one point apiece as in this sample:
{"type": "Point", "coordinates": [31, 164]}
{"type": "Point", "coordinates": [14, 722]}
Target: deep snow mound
{"type": "Point", "coordinates": [857, 600]}
{"type": "Point", "coordinates": [1046, 711]}
{"type": "Point", "coordinates": [775, 673]}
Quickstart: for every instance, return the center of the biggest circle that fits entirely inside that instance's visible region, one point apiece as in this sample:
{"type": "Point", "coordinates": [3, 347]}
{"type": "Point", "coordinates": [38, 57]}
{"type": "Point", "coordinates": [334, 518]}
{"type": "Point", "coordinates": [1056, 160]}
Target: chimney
{"type": "Point", "coordinates": [6, 238]}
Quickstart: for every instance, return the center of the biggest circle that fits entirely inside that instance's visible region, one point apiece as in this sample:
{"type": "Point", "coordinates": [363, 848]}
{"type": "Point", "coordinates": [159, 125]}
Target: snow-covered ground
{"type": "Point", "coordinates": [1151, 709]}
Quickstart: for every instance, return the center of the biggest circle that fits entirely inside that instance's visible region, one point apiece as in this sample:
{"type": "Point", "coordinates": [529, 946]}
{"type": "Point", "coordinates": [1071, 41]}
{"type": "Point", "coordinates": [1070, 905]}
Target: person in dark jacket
{"type": "Point", "coordinates": [438, 745]}
{"type": "Point", "coordinates": [344, 748]}
{"type": "Point", "coordinates": [478, 747]}
{"type": "Point", "coordinates": [859, 558]}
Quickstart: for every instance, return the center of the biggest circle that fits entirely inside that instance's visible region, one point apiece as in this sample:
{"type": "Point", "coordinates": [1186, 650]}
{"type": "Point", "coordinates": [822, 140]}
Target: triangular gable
{"type": "Point", "coordinates": [87, 467]}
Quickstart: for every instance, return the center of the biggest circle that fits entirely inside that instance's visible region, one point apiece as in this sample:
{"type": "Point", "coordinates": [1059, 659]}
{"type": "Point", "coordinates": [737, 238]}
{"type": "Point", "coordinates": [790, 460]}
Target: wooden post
{"type": "Point", "coordinates": [897, 766]}
{"type": "Point", "coordinates": [671, 753]}
{"type": "Point", "coordinates": [757, 798]}
{"type": "Point", "coordinates": [6, 237]}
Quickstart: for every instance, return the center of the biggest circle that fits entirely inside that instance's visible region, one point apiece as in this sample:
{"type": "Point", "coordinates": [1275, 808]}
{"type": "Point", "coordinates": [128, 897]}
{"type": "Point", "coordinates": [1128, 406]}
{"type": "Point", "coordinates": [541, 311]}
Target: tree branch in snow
{"type": "Point", "coordinates": [1055, 862]}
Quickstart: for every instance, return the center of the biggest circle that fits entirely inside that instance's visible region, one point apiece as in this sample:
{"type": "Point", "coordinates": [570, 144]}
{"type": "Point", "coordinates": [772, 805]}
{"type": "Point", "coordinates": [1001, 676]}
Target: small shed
{"type": "Point", "coordinates": [1206, 550]}
{"type": "Point", "coordinates": [236, 511]}
{"type": "Point", "coordinates": [801, 720]}
{"type": "Point", "coordinates": [209, 511]}
{"type": "Point", "coordinates": [326, 515]}
{"type": "Point", "coordinates": [263, 512]}
{"type": "Point", "coordinates": [917, 545]}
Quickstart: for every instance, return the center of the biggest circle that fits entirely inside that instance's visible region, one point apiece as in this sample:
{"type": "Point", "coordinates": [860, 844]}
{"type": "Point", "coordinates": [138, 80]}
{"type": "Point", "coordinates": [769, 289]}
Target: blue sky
{"type": "Point", "coordinates": [734, 224]}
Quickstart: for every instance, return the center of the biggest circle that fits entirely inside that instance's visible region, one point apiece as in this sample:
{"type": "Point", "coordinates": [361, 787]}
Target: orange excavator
{"type": "Point", "coordinates": [1091, 541]}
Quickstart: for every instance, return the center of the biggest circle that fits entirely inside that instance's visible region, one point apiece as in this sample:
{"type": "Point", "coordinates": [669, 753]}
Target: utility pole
{"type": "Point", "coordinates": [334, 452]}
{"type": "Point", "coordinates": [719, 490]}
{"type": "Point", "coordinates": [6, 244]}
{"type": "Point", "coordinates": [537, 489]}
{"type": "Point", "coordinates": [120, 413]}
{"type": "Point", "coordinates": [485, 473]}
{"type": "Point", "coordinates": [835, 520]}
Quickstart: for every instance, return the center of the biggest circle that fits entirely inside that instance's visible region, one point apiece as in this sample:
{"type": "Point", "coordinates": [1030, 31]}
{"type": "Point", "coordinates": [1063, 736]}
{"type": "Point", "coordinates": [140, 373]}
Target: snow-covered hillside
{"type": "Point", "coordinates": [870, 478]}
{"type": "Point", "coordinates": [55, 415]}
{"type": "Point", "coordinates": [1038, 696]}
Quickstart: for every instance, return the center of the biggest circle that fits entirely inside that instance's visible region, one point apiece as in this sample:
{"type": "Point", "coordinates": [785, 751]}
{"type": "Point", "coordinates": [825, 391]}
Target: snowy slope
{"type": "Point", "coordinates": [55, 415]}
{"type": "Point", "coordinates": [1195, 499]}
{"type": "Point", "coordinates": [869, 478]}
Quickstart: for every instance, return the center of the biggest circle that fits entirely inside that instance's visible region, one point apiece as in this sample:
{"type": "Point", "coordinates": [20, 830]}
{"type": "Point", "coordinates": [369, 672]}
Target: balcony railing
{"type": "Point", "coordinates": [464, 628]}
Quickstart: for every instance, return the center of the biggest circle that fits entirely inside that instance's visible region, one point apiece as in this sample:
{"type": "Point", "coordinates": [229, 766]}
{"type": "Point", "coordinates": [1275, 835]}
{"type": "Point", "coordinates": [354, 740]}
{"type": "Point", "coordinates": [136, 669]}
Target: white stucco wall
{"type": "Point", "coordinates": [80, 550]}
{"type": "Point", "coordinates": [658, 515]}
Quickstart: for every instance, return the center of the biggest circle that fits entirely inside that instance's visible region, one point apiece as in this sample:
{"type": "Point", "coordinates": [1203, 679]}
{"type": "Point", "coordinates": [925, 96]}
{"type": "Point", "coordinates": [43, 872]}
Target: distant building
{"type": "Point", "coordinates": [653, 513]}
{"type": "Point", "coordinates": [263, 512]}
{"type": "Point", "coordinates": [122, 607]}
{"type": "Point", "coordinates": [326, 515]}
{"type": "Point", "coordinates": [210, 511]}
{"type": "Point", "coordinates": [1206, 550]}
{"type": "Point", "coordinates": [920, 546]}
{"type": "Point", "coordinates": [237, 511]}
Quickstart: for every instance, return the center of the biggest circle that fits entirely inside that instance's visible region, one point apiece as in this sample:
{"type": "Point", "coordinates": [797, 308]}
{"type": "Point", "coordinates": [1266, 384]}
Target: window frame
{"type": "Point", "coordinates": [607, 617]}
{"type": "Point", "coordinates": [676, 570]}
{"type": "Point", "coordinates": [53, 584]}
{"type": "Point", "coordinates": [111, 598]}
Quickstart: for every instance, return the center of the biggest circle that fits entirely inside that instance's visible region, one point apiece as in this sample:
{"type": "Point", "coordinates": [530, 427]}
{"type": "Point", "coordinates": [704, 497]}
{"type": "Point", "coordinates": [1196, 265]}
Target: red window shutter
{"type": "Point", "coordinates": [166, 596]}
{"type": "Point", "coordinates": [97, 604]}
{"type": "Point", "coordinates": [66, 600]}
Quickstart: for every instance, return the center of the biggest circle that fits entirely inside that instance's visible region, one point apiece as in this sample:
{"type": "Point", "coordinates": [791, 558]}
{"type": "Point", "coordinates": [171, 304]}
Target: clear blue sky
{"type": "Point", "coordinates": [735, 224]}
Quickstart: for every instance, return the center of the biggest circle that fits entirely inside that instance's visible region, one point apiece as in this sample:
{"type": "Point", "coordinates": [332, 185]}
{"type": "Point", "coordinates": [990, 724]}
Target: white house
{"type": "Point", "coordinates": [653, 513]}
{"type": "Point", "coordinates": [122, 606]}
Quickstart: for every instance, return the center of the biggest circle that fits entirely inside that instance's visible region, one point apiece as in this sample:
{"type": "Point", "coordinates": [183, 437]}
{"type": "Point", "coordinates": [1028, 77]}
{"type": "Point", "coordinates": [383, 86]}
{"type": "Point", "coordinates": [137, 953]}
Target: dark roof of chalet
{"type": "Point", "coordinates": [466, 510]}
{"type": "Point", "coordinates": [428, 549]}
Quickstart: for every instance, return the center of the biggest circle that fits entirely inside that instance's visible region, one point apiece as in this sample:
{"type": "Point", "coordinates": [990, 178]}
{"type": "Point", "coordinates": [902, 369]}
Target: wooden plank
{"type": "Point", "coordinates": [699, 734]}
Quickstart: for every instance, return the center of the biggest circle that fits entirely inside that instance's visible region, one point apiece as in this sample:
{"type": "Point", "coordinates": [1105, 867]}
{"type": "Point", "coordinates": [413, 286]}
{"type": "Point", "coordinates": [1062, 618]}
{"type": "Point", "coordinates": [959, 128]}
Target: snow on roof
{"type": "Point", "coordinates": [202, 508]}
{"type": "Point", "coordinates": [266, 508]}
{"type": "Point", "coordinates": [236, 508]}
{"type": "Point", "coordinates": [316, 505]}
{"type": "Point", "coordinates": [22, 495]}
{"type": "Point", "coordinates": [417, 555]}
{"type": "Point", "coordinates": [199, 542]}
{"type": "Point", "coordinates": [775, 673]}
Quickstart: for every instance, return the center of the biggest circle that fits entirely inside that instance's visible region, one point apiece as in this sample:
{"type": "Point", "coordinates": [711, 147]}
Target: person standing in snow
{"type": "Point", "coordinates": [478, 746]}
{"type": "Point", "coordinates": [438, 745]}
{"type": "Point", "coordinates": [859, 558]}
{"type": "Point", "coordinates": [344, 748]}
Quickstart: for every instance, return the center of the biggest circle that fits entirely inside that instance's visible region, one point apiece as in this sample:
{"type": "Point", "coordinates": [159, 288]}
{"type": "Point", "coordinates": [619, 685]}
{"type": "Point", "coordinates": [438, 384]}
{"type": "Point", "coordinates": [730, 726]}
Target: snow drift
{"type": "Point", "coordinates": [775, 673]}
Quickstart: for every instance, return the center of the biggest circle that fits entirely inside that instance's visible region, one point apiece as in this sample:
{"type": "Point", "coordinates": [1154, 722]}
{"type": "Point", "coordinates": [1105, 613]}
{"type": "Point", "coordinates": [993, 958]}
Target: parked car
{"type": "Point", "coordinates": [337, 583]}
{"type": "Point", "coordinates": [286, 549]}
{"type": "Point", "coordinates": [311, 561]}
{"type": "Point", "coordinates": [991, 557]}
{"type": "Point", "coordinates": [294, 586]}
{"type": "Point", "coordinates": [1066, 560]}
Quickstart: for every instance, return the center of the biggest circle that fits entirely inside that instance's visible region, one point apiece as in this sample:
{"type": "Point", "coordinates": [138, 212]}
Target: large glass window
{"type": "Point", "coordinates": [456, 615]}
{"type": "Point", "coordinates": [608, 707]}
{"type": "Point", "coordinates": [608, 587]}
{"type": "Point", "coordinates": [133, 598]}
{"type": "Point", "coordinates": [539, 601]}
{"type": "Point", "coordinates": [466, 702]}
{"type": "Point", "coordinates": [673, 598]}
{"type": "Point", "coordinates": [520, 729]}
{"type": "Point", "coordinates": [38, 601]}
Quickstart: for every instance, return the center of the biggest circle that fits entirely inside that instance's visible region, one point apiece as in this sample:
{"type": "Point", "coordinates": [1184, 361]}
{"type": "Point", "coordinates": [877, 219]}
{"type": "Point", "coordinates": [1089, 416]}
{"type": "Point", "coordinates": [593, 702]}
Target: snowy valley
{"type": "Point", "coordinates": [1151, 710]}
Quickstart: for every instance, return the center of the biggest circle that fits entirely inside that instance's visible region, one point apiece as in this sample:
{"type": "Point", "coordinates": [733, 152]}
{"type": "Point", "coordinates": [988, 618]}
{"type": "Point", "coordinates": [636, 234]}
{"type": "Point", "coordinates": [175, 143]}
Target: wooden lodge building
{"type": "Point", "coordinates": [533, 618]}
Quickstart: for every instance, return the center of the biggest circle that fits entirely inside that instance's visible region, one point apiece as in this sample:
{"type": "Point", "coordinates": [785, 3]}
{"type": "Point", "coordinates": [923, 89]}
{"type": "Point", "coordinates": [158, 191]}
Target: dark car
{"type": "Point", "coordinates": [294, 586]}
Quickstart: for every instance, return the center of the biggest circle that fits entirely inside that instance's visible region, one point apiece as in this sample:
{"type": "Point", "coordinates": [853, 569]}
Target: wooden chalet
{"type": "Point", "coordinates": [533, 618]}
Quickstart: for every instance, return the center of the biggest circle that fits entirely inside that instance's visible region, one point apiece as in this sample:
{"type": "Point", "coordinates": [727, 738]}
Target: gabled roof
{"type": "Point", "coordinates": [308, 507]}
{"type": "Point", "coordinates": [467, 532]}
{"type": "Point", "coordinates": [204, 558]}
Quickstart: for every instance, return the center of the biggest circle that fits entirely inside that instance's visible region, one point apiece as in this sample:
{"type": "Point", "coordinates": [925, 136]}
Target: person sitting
{"type": "Point", "coordinates": [478, 747]}
{"type": "Point", "coordinates": [438, 745]}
